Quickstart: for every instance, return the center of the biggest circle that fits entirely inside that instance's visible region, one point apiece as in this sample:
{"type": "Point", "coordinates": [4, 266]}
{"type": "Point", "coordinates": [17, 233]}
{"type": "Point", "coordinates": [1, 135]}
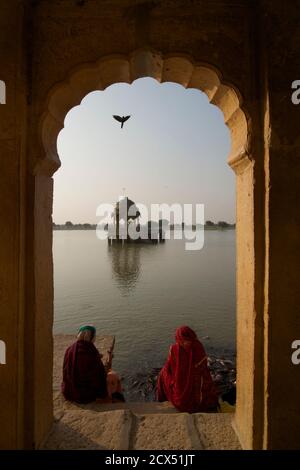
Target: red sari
{"type": "Point", "coordinates": [185, 379]}
{"type": "Point", "coordinates": [84, 376]}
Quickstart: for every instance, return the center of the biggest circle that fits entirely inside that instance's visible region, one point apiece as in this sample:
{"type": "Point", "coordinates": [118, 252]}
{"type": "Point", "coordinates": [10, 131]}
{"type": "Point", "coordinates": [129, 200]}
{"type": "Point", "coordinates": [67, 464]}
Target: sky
{"type": "Point", "coordinates": [173, 149]}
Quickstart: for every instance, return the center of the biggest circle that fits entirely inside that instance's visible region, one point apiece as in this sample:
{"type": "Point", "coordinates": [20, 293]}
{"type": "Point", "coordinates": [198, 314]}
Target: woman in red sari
{"type": "Point", "coordinates": [185, 379]}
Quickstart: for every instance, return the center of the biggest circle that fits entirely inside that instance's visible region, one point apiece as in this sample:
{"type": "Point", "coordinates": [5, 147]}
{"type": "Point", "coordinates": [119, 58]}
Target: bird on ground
{"type": "Point", "coordinates": [121, 119]}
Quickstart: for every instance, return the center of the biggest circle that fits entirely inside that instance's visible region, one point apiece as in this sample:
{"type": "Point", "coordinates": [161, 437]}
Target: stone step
{"type": "Point", "coordinates": [61, 405]}
{"type": "Point", "coordinates": [139, 426]}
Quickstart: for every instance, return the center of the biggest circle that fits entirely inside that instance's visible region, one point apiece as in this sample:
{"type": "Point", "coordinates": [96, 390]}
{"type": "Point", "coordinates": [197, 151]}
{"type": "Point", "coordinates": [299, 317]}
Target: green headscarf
{"type": "Point", "coordinates": [89, 328]}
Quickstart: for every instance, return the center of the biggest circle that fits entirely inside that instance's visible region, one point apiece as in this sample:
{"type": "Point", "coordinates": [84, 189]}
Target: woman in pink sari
{"type": "Point", "coordinates": [185, 379]}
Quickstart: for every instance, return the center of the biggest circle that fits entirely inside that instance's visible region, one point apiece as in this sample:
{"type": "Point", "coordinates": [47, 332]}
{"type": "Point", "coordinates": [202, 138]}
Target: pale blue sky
{"type": "Point", "coordinates": [173, 149]}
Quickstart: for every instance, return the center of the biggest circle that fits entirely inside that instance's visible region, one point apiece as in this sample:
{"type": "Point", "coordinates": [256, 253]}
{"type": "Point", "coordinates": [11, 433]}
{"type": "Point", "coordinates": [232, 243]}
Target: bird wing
{"type": "Point", "coordinates": [125, 118]}
{"type": "Point", "coordinates": [118, 118]}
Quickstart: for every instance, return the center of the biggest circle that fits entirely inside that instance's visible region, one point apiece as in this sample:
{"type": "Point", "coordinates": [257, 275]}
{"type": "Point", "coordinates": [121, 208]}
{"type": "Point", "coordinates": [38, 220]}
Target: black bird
{"type": "Point", "coordinates": [121, 119]}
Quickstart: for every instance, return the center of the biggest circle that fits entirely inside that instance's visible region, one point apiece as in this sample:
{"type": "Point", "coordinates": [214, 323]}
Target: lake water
{"type": "Point", "coordinates": [142, 293]}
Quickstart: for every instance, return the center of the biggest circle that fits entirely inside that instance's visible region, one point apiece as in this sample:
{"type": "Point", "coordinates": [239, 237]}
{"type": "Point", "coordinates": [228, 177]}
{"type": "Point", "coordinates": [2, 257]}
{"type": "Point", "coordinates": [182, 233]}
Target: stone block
{"type": "Point", "coordinates": [216, 432]}
{"type": "Point", "coordinates": [165, 432]}
{"type": "Point", "coordinates": [86, 429]}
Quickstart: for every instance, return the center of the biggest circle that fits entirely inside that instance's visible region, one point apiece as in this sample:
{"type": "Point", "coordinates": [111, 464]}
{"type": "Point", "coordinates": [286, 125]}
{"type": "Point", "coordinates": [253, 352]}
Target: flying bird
{"type": "Point", "coordinates": [121, 119]}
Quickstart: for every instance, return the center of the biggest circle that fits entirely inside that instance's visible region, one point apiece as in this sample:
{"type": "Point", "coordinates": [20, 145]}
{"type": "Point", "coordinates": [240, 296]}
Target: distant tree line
{"type": "Point", "coordinates": [220, 224]}
{"type": "Point", "coordinates": [208, 224]}
{"type": "Point", "coordinates": [70, 226]}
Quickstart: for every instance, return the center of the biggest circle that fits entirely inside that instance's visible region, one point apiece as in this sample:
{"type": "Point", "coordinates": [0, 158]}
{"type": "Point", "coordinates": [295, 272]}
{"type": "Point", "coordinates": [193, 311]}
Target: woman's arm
{"type": "Point", "coordinates": [108, 363]}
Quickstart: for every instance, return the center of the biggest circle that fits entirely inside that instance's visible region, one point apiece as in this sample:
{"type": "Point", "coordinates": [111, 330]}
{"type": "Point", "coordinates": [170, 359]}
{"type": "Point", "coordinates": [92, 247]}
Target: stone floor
{"type": "Point", "coordinates": [131, 426]}
{"type": "Point", "coordinates": [137, 426]}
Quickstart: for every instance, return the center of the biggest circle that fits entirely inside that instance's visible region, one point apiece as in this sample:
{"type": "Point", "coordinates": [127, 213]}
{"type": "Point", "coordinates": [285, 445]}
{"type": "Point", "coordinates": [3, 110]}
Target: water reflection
{"type": "Point", "coordinates": [126, 264]}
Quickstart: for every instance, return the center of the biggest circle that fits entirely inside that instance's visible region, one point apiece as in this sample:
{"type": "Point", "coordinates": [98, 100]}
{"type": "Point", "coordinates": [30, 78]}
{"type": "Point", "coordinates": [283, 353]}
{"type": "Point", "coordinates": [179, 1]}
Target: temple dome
{"type": "Point", "coordinates": [122, 208]}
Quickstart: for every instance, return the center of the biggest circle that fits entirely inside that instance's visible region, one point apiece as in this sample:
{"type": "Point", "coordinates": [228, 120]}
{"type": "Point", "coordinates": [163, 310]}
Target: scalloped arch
{"type": "Point", "coordinates": [177, 68]}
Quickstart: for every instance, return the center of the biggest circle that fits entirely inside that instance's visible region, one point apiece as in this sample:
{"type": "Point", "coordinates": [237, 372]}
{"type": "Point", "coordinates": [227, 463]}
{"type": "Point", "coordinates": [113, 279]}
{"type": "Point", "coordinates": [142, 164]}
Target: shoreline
{"type": "Point", "coordinates": [93, 228]}
{"type": "Point", "coordinates": [140, 386]}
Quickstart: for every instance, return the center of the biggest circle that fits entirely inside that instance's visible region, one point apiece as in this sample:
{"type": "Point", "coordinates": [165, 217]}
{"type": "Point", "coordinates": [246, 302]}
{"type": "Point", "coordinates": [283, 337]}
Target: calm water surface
{"type": "Point", "coordinates": [141, 293]}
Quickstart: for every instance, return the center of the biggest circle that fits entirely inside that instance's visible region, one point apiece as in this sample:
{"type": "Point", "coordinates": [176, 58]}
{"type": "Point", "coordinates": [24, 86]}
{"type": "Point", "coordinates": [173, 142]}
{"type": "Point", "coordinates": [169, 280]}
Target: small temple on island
{"type": "Point", "coordinates": [126, 226]}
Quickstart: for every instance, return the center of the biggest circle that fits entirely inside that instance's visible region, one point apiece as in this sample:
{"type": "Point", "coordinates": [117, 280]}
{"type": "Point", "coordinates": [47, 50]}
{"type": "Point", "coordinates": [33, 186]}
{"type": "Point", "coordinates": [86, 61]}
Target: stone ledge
{"type": "Point", "coordinates": [61, 406]}
{"type": "Point", "coordinates": [137, 426]}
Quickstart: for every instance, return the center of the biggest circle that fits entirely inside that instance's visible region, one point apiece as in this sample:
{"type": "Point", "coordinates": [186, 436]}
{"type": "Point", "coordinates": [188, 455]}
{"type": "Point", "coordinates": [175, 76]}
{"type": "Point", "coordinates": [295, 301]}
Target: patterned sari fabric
{"type": "Point", "coordinates": [185, 379]}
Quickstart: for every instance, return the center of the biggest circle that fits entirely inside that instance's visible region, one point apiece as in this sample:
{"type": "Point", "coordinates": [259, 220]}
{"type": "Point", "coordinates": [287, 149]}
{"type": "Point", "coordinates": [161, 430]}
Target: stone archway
{"type": "Point", "coordinates": [183, 70]}
{"type": "Point", "coordinates": [179, 69]}
{"type": "Point", "coordinates": [251, 43]}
